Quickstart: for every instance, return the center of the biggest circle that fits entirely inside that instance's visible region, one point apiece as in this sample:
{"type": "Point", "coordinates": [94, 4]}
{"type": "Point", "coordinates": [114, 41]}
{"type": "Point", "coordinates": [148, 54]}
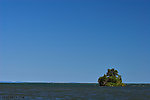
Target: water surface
{"type": "Point", "coordinates": [72, 91]}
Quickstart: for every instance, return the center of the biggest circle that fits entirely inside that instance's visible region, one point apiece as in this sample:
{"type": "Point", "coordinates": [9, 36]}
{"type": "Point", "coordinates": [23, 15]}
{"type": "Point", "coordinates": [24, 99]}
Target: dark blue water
{"type": "Point", "coordinates": [72, 91]}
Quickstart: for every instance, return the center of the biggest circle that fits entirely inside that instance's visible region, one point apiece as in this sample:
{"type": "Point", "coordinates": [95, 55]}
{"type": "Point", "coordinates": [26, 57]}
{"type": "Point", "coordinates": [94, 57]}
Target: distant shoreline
{"type": "Point", "coordinates": [60, 83]}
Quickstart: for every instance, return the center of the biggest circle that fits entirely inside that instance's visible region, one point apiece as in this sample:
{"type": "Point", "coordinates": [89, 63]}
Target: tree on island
{"type": "Point", "coordinates": [111, 78]}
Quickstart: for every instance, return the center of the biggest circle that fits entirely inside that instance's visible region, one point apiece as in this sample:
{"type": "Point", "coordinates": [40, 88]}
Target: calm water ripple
{"type": "Point", "coordinates": [72, 91]}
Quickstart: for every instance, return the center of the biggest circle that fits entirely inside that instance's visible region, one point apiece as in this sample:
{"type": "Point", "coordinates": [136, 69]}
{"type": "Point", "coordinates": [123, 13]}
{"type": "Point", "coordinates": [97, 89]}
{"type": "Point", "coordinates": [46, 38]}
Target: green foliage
{"type": "Point", "coordinates": [112, 78]}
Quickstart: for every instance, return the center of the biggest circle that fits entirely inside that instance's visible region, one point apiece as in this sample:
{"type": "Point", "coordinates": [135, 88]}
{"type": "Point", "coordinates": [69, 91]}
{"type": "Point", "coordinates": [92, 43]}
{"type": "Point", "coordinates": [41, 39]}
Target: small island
{"type": "Point", "coordinates": [111, 78]}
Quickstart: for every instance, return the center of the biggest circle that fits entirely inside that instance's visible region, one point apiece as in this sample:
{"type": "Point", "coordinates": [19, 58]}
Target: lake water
{"type": "Point", "coordinates": [72, 91]}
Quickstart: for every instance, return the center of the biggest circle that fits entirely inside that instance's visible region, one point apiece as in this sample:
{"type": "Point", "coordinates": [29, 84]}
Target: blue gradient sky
{"type": "Point", "coordinates": [74, 40]}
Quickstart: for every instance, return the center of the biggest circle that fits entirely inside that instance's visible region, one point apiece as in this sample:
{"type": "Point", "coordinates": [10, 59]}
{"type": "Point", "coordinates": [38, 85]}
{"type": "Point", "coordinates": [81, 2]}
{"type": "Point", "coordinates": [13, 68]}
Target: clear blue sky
{"type": "Point", "coordinates": [74, 40]}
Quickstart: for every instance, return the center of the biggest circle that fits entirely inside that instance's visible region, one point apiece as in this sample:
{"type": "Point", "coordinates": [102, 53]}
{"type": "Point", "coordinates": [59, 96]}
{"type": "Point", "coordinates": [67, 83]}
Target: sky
{"type": "Point", "coordinates": [74, 40]}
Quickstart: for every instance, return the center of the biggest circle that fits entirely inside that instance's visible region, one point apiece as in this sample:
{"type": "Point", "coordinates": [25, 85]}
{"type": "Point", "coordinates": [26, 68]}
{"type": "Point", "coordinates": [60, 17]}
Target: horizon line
{"type": "Point", "coordinates": [65, 82]}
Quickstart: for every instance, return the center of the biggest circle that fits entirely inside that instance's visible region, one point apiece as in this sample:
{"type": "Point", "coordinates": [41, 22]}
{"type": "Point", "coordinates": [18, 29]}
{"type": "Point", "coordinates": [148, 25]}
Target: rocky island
{"type": "Point", "coordinates": [111, 78]}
